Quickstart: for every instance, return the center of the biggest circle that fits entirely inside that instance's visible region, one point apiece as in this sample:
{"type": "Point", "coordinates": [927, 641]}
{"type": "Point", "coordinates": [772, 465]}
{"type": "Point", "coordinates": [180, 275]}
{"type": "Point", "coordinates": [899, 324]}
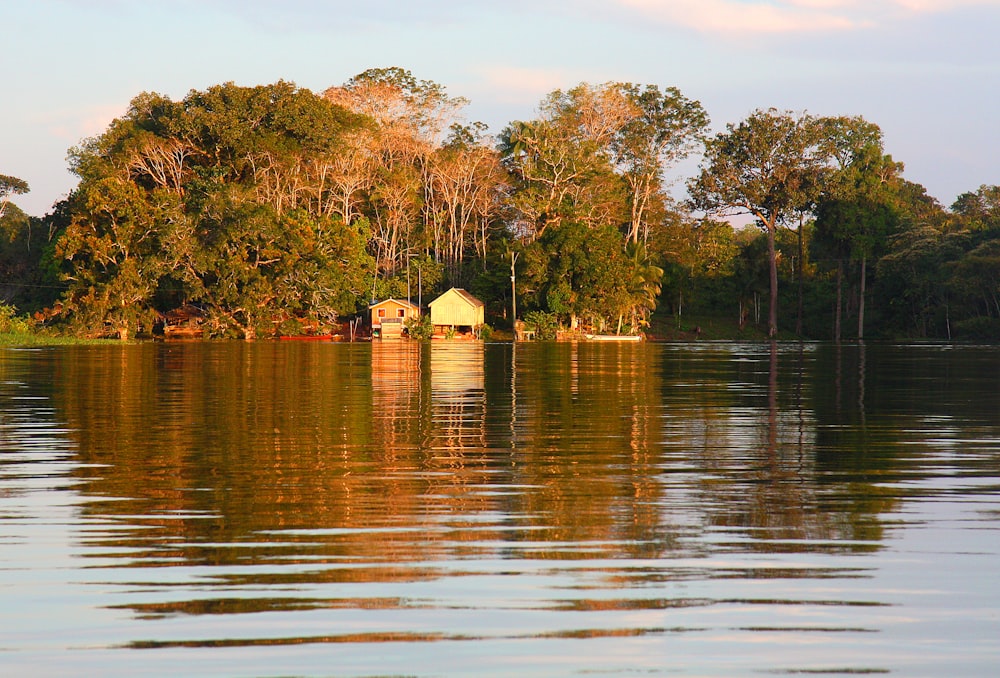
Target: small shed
{"type": "Point", "coordinates": [457, 310]}
{"type": "Point", "coordinates": [389, 316]}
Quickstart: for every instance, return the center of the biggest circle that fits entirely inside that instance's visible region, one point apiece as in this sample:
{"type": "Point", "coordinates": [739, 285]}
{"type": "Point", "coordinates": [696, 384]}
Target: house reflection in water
{"type": "Point", "coordinates": [428, 395]}
{"type": "Point", "coordinates": [396, 397]}
{"type": "Point", "coordinates": [458, 396]}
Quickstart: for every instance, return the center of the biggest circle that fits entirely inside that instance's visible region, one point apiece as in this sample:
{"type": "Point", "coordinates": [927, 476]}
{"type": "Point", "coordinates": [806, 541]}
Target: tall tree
{"type": "Point", "coordinates": [10, 186]}
{"type": "Point", "coordinates": [217, 200]}
{"type": "Point", "coordinates": [979, 209]}
{"type": "Point", "coordinates": [23, 276]}
{"type": "Point", "coordinates": [911, 276]}
{"type": "Point", "coordinates": [857, 210]}
{"type": "Point", "coordinates": [411, 119]}
{"type": "Point", "coordinates": [597, 154]}
{"type": "Point", "coordinates": [559, 174]}
{"type": "Point", "coordinates": [644, 285]}
{"type": "Point", "coordinates": [467, 185]}
{"type": "Point", "coordinates": [767, 166]}
{"type": "Point", "coordinates": [664, 128]}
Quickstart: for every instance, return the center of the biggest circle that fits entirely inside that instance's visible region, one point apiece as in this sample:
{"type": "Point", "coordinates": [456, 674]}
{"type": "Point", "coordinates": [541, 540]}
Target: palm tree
{"type": "Point", "coordinates": [643, 285]}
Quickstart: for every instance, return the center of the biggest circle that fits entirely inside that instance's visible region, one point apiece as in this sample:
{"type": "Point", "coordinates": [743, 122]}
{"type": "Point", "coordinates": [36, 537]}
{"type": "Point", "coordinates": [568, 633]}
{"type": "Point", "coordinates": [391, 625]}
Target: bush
{"type": "Point", "coordinates": [544, 324]}
{"type": "Point", "coordinates": [11, 323]}
{"type": "Point", "coordinates": [419, 328]}
{"type": "Point", "coordinates": [981, 328]}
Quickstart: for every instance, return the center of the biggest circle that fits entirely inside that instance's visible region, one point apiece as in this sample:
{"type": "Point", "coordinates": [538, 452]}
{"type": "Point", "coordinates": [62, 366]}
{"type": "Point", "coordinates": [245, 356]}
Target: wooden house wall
{"type": "Point", "coordinates": [392, 307]}
{"type": "Point", "coordinates": [453, 309]}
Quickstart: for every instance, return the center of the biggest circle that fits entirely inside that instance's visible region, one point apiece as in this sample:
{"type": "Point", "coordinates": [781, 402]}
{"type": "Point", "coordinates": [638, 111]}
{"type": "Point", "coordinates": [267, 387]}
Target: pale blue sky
{"type": "Point", "coordinates": [926, 71]}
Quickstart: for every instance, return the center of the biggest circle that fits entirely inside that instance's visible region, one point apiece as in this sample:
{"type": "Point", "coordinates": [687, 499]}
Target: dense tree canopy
{"type": "Point", "coordinates": [216, 201]}
{"type": "Point", "coordinates": [272, 209]}
{"type": "Point", "coordinates": [858, 208]}
{"type": "Point", "coordinates": [768, 166]}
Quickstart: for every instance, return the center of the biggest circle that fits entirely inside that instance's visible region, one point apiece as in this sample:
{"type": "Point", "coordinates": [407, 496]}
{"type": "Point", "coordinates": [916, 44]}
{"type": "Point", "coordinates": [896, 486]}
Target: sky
{"type": "Point", "coordinates": [926, 71]}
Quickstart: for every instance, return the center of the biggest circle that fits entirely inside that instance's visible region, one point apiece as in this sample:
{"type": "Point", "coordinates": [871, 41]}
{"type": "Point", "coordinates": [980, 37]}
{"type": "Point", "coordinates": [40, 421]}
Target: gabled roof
{"type": "Point", "coordinates": [462, 294]}
{"type": "Point", "coordinates": [401, 302]}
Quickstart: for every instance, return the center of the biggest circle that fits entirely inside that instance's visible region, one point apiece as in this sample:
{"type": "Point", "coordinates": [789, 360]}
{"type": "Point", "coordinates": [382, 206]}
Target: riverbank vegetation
{"type": "Point", "coordinates": [273, 210]}
{"type": "Point", "coordinates": [20, 330]}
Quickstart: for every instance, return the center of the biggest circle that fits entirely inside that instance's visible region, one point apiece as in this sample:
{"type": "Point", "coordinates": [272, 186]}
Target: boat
{"type": "Point", "coordinates": [309, 337]}
{"type": "Point", "coordinates": [613, 337]}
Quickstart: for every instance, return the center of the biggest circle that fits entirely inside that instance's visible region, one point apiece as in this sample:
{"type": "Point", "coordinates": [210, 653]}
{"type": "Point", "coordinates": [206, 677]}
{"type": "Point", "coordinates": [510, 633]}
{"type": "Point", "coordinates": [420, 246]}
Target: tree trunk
{"type": "Point", "coordinates": [839, 305]}
{"type": "Point", "coordinates": [772, 316]}
{"type": "Point", "coordinates": [798, 318]}
{"type": "Point", "coordinates": [861, 301]}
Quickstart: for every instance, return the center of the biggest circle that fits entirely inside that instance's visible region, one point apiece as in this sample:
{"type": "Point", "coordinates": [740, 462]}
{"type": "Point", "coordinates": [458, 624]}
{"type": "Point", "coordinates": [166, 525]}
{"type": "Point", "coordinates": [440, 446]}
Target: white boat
{"type": "Point", "coordinates": [613, 337]}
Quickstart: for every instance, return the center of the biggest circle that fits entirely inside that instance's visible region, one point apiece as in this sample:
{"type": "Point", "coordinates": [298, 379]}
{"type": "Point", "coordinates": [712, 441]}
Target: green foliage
{"type": "Point", "coordinates": [209, 201]}
{"type": "Point", "coordinates": [980, 328]}
{"type": "Point", "coordinates": [596, 156]}
{"type": "Point", "coordinates": [419, 328]}
{"type": "Point", "coordinates": [979, 209]}
{"type": "Point", "coordinates": [911, 278]}
{"type": "Point", "coordinates": [770, 166]}
{"type": "Point", "coordinates": [423, 277]}
{"type": "Point", "coordinates": [10, 186]}
{"type": "Point", "coordinates": [271, 208]}
{"type": "Point", "coordinates": [545, 325]}
{"type": "Point", "coordinates": [11, 323]}
{"type": "Point", "coordinates": [25, 280]}
{"type": "Point", "coordinates": [857, 210]}
{"type": "Point", "coordinates": [575, 270]}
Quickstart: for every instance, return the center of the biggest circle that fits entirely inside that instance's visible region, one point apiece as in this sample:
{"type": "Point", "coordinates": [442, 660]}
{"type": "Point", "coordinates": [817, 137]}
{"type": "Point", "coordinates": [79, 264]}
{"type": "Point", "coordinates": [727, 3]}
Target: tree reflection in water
{"type": "Point", "coordinates": [440, 480]}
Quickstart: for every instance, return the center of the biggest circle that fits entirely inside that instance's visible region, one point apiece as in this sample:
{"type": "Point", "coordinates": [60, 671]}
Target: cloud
{"type": "Point", "coordinates": [731, 16]}
{"type": "Point", "coordinates": [790, 16]}
{"type": "Point", "coordinates": [935, 6]}
{"type": "Point", "coordinates": [512, 84]}
{"type": "Point", "coordinates": [73, 125]}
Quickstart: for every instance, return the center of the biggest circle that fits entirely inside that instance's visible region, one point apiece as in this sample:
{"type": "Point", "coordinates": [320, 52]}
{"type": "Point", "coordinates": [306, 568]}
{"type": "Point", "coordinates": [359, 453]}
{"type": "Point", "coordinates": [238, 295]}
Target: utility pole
{"type": "Point", "coordinates": [513, 293]}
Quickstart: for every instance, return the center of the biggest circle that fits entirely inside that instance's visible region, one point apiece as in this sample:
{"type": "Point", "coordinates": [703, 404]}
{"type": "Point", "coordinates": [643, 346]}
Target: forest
{"type": "Point", "coordinates": [273, 210]}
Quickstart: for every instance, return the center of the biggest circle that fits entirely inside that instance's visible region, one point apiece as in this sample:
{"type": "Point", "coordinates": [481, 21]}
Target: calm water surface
{"type": "Point", "coordinates": [459, 509]}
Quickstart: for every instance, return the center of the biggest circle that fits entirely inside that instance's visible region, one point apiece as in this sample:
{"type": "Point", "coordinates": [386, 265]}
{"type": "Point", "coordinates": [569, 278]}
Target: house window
{"type": "Point", "coordinates": [381, 313]}
{"type": "Point", "coordinates": [401, 313]}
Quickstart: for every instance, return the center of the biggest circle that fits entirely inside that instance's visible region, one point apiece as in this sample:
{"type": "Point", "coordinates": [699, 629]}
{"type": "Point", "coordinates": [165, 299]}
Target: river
{"type": "Point", "coordinates": [534, 509]}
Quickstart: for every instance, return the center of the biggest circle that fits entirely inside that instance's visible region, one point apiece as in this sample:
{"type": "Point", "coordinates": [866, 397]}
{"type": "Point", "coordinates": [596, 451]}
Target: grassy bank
{"type": "Point", "coordinates": [22, 339]}
{"type": "Point", "coordinates": [17, 330]}
{"type": "Point", "coordinates": [705, 328]}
